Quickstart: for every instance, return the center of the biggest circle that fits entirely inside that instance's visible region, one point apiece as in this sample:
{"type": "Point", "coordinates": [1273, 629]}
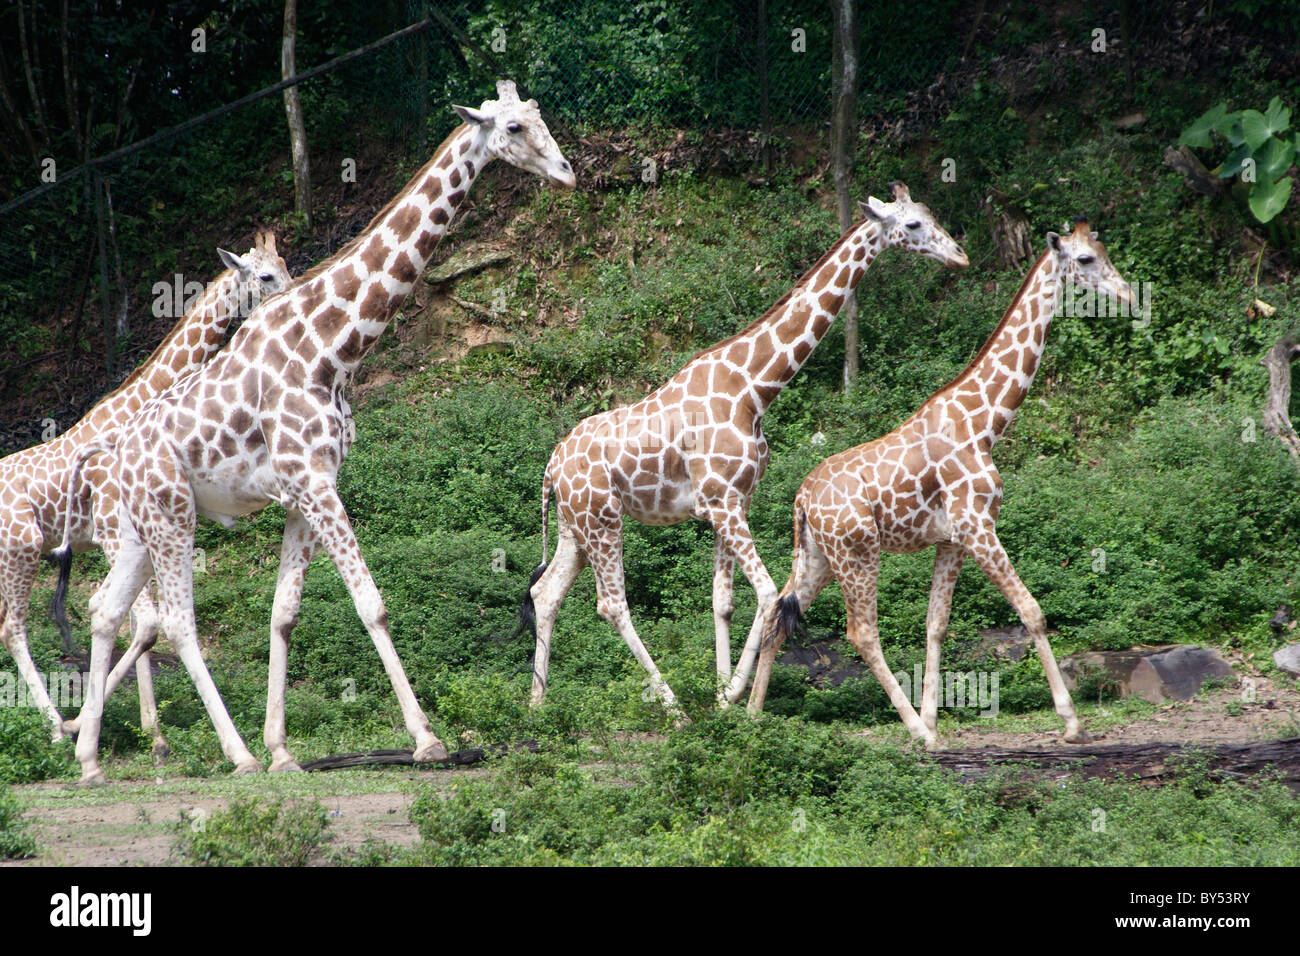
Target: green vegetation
{"type": "Point", "coordinates": [27, 755]}
{"type": "Point", "coordinates": [253, 832]}
{"type": "Point", "coordinates": [731, 791]}
{"type": "Point", "coordinates": [15, 843]}
{"type": "Point", "coordinates": [1262, 152]}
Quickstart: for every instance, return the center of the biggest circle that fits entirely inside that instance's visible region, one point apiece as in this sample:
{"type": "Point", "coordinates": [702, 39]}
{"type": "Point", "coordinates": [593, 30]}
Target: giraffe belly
{"type": "Point", "coordinates": [232, 492]}
{"type": "Point", "coordinates": [662, 505]}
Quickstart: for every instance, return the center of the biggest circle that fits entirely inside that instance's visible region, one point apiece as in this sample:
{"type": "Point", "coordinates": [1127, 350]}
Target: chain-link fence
{"type": "Point", "coordinates": [79, 257]}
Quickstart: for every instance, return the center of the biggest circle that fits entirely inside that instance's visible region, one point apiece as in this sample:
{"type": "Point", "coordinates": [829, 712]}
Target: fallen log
{"type": "Point", "coordinates": [405, 758]}
{"type": "Point", "coordinates": [1148, 764]}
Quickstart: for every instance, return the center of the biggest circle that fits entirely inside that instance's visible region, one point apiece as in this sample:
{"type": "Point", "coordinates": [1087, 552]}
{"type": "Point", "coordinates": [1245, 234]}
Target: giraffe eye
{"type": "Point", "coordinates": [514, 128]}
{"type": "Point", "coordinates": [914, 225]}
{"type": "Point", "coordinates": [266, 277]}
{"type": "Point", "coordinates": [1086, 260]}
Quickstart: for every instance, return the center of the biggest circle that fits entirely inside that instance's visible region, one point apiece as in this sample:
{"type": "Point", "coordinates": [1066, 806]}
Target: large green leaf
{"type": "Point", "coordinates": [1269, 199]}
{"type": "Point", "coordinates": [1273, 160]}
{"type": "Point", "coordinates": [1197, 135]}
{"type": "Point", "coordinates": [1255, 128]}
{"type": "Point", "coordinates": [1235, 161]}
{"type": "Point", "coordinates": [1277, 116]}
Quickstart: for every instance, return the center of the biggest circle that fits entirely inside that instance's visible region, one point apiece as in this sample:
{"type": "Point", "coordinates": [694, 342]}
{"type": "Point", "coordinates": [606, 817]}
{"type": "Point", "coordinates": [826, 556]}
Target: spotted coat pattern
{"type": "Point", "coordinates": [35, 508]}
{"type": "Point", "coordinates": [932, 482]}
{"type": "Point", "coordinates": [694, 448]}
{"type": "Point", "coordinates": [267, 421]}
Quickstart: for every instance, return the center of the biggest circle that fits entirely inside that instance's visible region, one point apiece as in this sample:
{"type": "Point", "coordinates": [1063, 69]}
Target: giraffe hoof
{"type": "Point", "coordinates": [433, 752]}
{"type": "Point", "coordinates": [93, 778]}
{"type": "Point", "coordinates": [251, 765]}
{"type": "Point", "coordinates": [1078, 737]}
{"type": "Point", "coordinates": [285, 765]}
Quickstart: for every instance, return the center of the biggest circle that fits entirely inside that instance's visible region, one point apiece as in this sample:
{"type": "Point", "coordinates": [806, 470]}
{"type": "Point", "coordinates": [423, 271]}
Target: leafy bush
{"type": "Point", "coordinates": [28, 754]}
{"type": "Point", "coordinates": [15, 842]}
{"type": "Point", "coordinates": [253, 832]}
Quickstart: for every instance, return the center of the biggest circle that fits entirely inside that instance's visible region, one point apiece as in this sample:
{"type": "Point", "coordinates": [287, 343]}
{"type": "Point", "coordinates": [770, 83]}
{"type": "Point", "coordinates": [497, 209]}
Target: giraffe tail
{"type": "Point", "coordinates": [527, 610]}
{"type": "Point", "coordinates": [61, 557]}
{"type": "Point", "coordinates": [787, 617]}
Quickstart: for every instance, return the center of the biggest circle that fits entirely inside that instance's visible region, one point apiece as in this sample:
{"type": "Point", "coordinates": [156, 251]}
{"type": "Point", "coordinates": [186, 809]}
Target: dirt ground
{"type": "Point", "coordinates": [107, 827]}
{"type": "Point", "coordinates": [1208, 718]}
{"type": "Point", "coordinates": [101, 828]}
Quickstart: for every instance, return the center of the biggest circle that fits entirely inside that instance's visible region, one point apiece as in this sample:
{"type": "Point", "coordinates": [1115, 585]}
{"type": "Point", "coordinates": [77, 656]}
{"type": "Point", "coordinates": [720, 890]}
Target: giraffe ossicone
{"type": "Point", "coordinates": [932, 482]}
{"type": "Point", "coordinates": [43, 504]}
{"type": "Point", "coordinates": [268, 421]}
{"type": "Point", "coordinates": [694, 448]}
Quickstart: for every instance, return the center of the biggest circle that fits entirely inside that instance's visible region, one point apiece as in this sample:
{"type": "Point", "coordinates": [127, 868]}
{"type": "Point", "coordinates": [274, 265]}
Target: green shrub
{"type": "Point", "coordinates": [254, 832]}
{"type": "Point", "coordinates": [15, 842]}
{"type": "Point", "coordinates": [27, 754]}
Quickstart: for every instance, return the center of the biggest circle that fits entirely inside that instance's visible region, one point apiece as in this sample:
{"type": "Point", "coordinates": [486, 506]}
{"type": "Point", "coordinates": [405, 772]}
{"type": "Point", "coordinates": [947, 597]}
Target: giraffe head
{"type": "Point", "coordinates": [912, 226]}
{"type": "Point", "coordinates": [516, 133]}
{"type": "Point", "coordinates": [1081, 261]}
{"type": "Point", "coordinates": [260, 272]}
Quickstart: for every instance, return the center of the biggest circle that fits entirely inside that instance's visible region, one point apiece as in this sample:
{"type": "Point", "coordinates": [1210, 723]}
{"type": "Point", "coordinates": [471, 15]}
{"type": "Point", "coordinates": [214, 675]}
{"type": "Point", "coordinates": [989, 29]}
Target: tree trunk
{"type": "Point", "coordinates": [844, 129]}
{"type": "Point", "coordinates": [293, 112]}
{"type": "Point", "coordinates": [1277, 419]}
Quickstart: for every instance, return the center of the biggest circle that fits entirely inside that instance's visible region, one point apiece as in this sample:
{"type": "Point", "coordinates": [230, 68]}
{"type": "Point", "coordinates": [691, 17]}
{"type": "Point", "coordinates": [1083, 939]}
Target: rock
{"type": "Point", "coordinates": [1004, 643]}
{"type": "Point", "coordinates": [829, 663]}
{"type": "Point", "coordinates": [1155, 674]}
{"type": "Point", "coordinates": [1288, 659]}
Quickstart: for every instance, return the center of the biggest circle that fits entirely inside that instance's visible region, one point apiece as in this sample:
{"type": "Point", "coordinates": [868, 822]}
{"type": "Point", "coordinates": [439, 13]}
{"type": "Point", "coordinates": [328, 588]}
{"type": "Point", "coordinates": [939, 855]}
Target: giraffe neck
{"type": "Point", "coordinates": [350, 299]}
{"type": "Point", "coordinates": [994, 385]}
{"type": "Point", "coordinates": [772, 350]}
{"type": "Point", "coordinates": [188, 346]}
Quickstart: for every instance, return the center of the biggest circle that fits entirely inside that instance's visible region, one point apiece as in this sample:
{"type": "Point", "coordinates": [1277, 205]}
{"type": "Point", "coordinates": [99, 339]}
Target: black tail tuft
{"type": "Point", "coordinates": [527, 612]}
{"type": "Point", "coordinates": [61, 558]}
{"type": "Point", "coordinates": [787, 618]}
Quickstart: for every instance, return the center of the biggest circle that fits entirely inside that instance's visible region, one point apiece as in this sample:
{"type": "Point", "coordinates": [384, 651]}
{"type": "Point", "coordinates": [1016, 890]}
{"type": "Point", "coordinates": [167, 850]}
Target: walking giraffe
{"type": "Point", "coordinates": [267, 421]}
{"type": "Point", "coordinates": [35, 511]}
{"type": "Point", "coordinates": [695, 449]}
{"type": "Point", "coordinates": [932, 481]}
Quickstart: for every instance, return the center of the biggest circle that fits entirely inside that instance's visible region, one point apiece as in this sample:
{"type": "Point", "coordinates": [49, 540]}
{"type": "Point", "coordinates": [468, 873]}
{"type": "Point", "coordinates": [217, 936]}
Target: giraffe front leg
{"type": "Point", "coordinates": [724, 586]}
{"type": "Point", "coordinates": [324, 512]}
{"type": "Point", "coordinates": [948, 559]}
{"type": "Point", "coordinates": [296, 551]}
{"type": "Point", "coordinates": [18, 568]}
{"type": "Point", "coordinates": [993, 561]}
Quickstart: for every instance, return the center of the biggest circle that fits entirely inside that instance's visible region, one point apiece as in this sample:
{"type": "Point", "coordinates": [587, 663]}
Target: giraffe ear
{"type": "Point", "coordinates": [873, 208]}
{"type": "Point", "coordinates": [1054, 240]}
{"type": "Point", "coordinates": [233, 261]}
{"type": "Point", "coordinates": [471, 115]}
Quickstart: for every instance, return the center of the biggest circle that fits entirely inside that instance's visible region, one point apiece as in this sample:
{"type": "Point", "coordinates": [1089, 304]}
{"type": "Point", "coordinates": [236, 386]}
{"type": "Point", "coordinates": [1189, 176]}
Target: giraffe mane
{"type": "Point", "coordinates": [988, 343]}
{"type": "Point", "coordinates": [353, 244]}
{"type": "Point", "coordinates": [784, 300]}
{"type": "Point", "coordinates": [168, 339]}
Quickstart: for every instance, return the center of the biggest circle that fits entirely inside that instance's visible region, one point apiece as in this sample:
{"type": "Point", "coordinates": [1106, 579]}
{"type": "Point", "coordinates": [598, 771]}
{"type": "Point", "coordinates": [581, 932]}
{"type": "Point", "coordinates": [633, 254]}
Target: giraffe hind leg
{"type": "Point", "coordinates": [548, 594]}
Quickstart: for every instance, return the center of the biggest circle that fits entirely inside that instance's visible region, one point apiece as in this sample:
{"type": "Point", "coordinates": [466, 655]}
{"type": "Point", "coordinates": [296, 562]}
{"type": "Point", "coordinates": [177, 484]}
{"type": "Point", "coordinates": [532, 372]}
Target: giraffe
{"type": "Point", "coordinates": [33, 482]}
{"type": "Point", "coordinates": [695, 449]}
{"type": "Point", "coordinates": [266, 421]}
{"type": "Point", "coordinates": [932, 481]}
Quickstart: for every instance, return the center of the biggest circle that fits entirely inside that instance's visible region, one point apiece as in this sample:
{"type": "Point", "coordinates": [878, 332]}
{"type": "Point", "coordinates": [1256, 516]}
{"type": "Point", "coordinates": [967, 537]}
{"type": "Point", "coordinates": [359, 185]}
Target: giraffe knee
{"type": "Point", "coordinates": [1034, 620]}
{"type": "Point", "coordinates": [611, 609]}
{"type": "Point", "coordinates": [283, 621]}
